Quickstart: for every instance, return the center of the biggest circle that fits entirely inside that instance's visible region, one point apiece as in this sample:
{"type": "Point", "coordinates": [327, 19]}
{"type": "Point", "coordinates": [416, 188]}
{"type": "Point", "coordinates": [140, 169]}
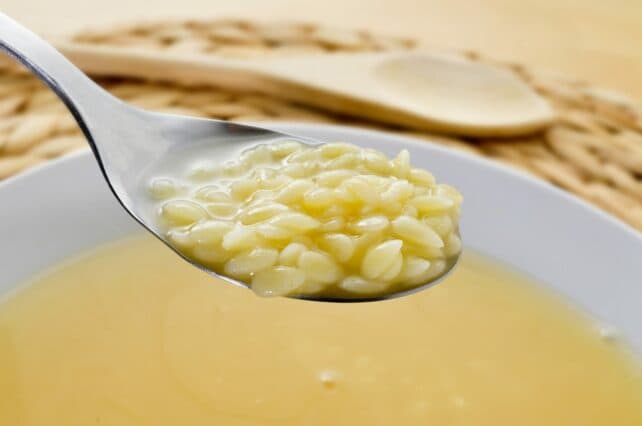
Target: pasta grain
{"type": "Point", "coordinates": [334, 220]}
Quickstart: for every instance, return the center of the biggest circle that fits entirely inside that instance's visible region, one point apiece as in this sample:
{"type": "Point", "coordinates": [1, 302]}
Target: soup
{"type": "Point", "coordinates": [131, 335]}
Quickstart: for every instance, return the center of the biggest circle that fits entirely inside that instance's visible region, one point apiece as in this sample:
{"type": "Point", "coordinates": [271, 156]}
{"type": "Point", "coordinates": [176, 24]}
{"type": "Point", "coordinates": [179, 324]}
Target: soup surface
{"type": "Point", "coordinates": [131, 335]}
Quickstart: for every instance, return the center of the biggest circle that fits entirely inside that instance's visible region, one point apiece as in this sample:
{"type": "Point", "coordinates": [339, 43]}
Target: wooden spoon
{"type": "Point", "coordinates": [436, 92]}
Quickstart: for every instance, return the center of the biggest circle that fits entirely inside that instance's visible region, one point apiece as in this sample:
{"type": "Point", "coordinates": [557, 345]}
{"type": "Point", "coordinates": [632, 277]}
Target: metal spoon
{"type": "Point", "coordinates": [126, 140]}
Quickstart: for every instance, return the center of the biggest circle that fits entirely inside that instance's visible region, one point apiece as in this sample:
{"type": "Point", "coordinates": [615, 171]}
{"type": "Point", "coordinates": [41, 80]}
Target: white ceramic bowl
{"type": "Point", "coordinates": [64, 207]}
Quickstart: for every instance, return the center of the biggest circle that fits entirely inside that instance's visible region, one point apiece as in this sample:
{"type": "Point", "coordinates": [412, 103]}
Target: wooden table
{"type": "Point", "coordinates": [600, 41]}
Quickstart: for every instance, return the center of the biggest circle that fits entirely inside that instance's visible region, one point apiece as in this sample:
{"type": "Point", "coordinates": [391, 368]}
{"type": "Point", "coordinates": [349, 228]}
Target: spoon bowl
{"type": "Point", "coordinates": [129, 142]}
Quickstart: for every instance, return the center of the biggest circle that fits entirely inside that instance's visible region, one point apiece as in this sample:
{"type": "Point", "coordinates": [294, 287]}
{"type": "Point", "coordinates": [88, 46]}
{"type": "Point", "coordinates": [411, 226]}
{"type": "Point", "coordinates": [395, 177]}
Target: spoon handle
{"type": "Point", "coordinates": [84, 98]}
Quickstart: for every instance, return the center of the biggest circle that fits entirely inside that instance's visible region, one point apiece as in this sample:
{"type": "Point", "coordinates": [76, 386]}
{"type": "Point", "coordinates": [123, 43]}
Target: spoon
{"type": "Point", "coordinates": [126, 140]}
{"type": "Point", "coordinates": [422, 90]}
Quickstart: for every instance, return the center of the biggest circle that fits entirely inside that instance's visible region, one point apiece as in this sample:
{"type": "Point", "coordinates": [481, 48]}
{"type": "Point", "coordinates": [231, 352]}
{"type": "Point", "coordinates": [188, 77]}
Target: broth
{"type": "Point", "coordinates": [131, 335]}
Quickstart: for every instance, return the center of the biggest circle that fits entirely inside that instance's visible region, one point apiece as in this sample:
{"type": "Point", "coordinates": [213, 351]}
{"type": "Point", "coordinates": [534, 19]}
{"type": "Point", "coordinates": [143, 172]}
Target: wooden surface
{"type": "Point", "coordinates": [592, 39]}
{"type": "Point", "coordinates": [593, 148]}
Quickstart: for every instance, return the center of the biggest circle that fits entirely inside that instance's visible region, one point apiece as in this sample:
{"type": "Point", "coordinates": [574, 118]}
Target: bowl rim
{"type": "Point", "coordinates": [525, 223]}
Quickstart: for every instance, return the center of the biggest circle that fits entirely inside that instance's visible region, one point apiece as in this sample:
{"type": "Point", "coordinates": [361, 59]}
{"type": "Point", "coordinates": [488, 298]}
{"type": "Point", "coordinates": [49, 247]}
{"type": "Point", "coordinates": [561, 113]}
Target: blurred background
{"type": "Point", "coordinates": [595, 40]}
{"type": "Point", "coordinates": [583, 57]}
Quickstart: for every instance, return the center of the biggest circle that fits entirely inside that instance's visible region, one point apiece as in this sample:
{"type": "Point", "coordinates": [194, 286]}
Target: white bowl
{"type": "Point", "coordinates": [64, 207]}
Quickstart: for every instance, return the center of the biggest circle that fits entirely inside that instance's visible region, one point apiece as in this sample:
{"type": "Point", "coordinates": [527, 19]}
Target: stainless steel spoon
{"type": "Point", "coordinates": [126, 140]}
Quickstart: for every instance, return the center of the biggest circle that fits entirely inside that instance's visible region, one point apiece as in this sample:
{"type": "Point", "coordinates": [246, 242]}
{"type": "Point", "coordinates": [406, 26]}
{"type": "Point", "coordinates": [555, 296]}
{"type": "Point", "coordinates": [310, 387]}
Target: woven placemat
{"type": "Point", "coordinates": [593, 149]}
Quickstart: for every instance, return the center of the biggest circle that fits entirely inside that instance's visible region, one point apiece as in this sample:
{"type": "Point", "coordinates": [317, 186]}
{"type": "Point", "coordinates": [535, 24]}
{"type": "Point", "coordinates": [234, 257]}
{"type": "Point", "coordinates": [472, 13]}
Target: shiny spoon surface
{"type": "Point", "coordinates": [127, 141]}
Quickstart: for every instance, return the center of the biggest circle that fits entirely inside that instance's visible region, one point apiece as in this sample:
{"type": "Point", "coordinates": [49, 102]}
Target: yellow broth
{"type": "Point", "coordinates": [131, 335]}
